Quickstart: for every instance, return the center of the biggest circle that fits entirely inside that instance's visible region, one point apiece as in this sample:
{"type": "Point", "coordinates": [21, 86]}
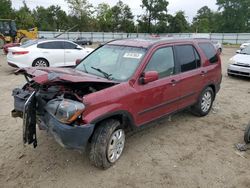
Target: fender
{"type": "Point", "coordinates": [108, 111]}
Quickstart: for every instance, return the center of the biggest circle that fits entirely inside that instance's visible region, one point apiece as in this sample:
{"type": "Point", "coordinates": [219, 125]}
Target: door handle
{"type": "Point", "coordinates": [203, 73]}
{"type": "Point", "coordinates": [174, 82]}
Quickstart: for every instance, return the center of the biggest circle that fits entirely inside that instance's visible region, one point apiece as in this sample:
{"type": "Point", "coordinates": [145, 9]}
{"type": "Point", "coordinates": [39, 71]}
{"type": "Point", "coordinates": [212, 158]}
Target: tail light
{"type": "Point", "coordinates": [20, 53]}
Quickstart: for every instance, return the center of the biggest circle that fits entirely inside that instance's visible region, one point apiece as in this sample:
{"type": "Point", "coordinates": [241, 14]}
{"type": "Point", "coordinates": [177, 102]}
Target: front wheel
{"type": "Point", "coordinates": [107, 144]}
{"type": "Point", "coordinates": [205, 103]}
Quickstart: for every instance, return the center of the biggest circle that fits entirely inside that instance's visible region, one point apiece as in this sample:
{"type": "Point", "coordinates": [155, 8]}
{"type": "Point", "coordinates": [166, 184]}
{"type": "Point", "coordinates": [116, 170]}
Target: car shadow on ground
{"type": "Point", "coordinates": [47, 144]}
{"type": "Point", "coordinates": [240, 78]}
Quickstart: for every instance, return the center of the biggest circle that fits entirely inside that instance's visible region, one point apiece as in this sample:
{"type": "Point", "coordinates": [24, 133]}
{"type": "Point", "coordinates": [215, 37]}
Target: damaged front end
{"type": "Point", "coordinates": [56, 106]}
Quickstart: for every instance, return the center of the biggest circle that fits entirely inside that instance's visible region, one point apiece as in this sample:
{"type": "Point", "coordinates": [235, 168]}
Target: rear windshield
{"type": "Point", "coordinates": [29, 43]}
{"type": "Point", "coordinates": [209, 51]}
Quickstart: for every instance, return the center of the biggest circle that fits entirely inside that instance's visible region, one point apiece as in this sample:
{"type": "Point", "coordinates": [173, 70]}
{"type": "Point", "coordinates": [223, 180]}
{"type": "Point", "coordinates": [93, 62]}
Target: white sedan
{"type": "Point", "coordinates": [240, 64]}
{"type": "Point", "coordinates": [46, 53]}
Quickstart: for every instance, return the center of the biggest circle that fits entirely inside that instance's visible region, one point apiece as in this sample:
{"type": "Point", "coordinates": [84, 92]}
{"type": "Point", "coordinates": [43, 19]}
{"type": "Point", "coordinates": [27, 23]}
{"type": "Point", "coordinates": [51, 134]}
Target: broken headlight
{"type": "Point", "coordinates": [65, 110]}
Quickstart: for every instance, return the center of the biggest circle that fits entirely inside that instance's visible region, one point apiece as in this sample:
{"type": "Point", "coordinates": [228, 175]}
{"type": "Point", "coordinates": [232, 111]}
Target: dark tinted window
{"type": "Point", "coordinates": [69, 45]}
{"type": "Point", "coordinates": [187, 57]}
{"type": "Point", "coordinates": [162, 61]}
{"type": "Point", "coordinates": [209, 51]}
{"type": "Point", "coordinates": [52, 45]}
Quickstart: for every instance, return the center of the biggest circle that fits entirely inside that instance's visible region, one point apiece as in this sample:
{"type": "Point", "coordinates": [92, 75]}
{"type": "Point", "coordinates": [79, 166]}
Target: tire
{"type": "Point", "coordinates": [40, 62]}
{"type": "Point", "coordinates": [107, 135]}
{"type": "Point", "coordinates": [204, 103]}
{"type": "Point", "coordinates": [247, 134]}
{"type": "Point", "coordinates": [2, 42]}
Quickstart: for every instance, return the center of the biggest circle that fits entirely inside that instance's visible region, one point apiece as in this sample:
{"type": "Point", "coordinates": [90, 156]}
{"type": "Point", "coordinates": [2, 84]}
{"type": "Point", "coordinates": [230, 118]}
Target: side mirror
{"type": "Point", "coordinates": [149, 76]}
{"type": "Point", "coordinates": [78, 47]}
{"type": "Point", "coordinates": [78, 61]}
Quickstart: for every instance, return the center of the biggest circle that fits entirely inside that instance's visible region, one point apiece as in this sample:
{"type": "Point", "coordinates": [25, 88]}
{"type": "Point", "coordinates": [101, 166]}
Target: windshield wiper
{"type": "Point", "coordinates": [104, 73]}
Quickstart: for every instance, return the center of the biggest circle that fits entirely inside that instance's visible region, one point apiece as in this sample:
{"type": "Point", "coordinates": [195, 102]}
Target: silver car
{"type": "Point", "coordinates": [240, 64]}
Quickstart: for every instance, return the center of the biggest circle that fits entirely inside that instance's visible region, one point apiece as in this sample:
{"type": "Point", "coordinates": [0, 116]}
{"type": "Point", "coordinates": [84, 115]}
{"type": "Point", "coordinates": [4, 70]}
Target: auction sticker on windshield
{"type": "Point", "coordinates": [133, 55]}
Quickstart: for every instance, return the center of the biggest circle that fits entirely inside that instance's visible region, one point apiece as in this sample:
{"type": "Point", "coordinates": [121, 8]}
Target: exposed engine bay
{"type": "Point", "coordinates": [37, 102]}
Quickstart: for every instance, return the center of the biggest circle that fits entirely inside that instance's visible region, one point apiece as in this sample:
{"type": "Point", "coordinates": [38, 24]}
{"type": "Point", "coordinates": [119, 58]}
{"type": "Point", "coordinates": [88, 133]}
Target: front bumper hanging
{"type": "Point", "coordinates": [29, 120]}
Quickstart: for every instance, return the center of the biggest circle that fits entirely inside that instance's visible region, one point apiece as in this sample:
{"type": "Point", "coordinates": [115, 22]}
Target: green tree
{"type": "Point", "coordinates": [81, 12]}
{"type": "Point", "coordinates": [104, 17]}
{"type": "Point", "coordinates": [178, 23]}
{"type": "Point", "coordinates": [51, 18]}
{"type": "Point", "coordinates": [24, 17]}
{"type": "Point", "coordinates": [235, 15]}
{"type": "Point", "coordinates": [155, 11]}
{"type": "Point", "coordinates": [122, 18]}
{"type": "Point", "coordinates": [203, 22]}
{"type": "Point", "coordinates": [6, 12]}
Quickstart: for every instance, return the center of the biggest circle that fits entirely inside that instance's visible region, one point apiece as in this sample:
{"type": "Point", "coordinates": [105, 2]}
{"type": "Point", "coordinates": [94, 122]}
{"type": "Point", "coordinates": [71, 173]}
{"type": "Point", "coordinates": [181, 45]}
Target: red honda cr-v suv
{"type": "Point", "coordinates": [119, 87]}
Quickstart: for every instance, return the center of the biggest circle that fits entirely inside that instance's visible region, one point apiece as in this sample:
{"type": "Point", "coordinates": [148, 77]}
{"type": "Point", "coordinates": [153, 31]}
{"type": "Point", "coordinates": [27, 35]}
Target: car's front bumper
{"type": "Point", "coordinates": [238, 70]}
{"type": "Point", "coordinates": [70, 137]}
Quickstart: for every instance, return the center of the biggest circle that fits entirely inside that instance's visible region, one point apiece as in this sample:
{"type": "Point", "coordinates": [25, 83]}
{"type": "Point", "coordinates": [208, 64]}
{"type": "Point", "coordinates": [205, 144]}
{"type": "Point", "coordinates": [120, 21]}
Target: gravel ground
{"type": "Point", "coordinates": [182, 151]}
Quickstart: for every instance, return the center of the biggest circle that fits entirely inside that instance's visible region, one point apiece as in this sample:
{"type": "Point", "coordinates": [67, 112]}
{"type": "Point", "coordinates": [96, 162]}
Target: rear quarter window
{"type": "Point", "coordinates": [209, 51]}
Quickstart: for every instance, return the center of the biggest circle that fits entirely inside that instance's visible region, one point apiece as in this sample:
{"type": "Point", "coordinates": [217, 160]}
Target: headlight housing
{"type": "Point", "coordinates": [232, 61]}
{"type": "Point", "coordinates": [65, 110]}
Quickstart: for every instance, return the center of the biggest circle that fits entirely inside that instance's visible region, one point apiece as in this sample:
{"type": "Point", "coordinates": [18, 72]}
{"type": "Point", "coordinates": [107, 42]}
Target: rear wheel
{"type": "Point", "coordinates": [107, 144]}
{"type": "Point", "coordinates": [2, 42]}
{"type": "Point", "coordinates": [40, 63]}
{"type": "Point", "coordinates": [205, 103]}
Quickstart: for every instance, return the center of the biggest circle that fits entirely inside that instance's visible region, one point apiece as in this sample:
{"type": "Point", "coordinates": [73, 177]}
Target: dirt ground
{"type": "Point", "coordinates": [184, 151]}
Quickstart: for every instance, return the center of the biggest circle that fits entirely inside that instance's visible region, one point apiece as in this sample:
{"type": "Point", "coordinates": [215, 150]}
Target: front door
{"type": "Point", "coordinates": [72, 53]}
{"type": "Point", "coordinates": [160, 97]}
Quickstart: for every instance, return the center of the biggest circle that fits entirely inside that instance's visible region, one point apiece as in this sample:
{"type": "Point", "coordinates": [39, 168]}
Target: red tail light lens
{"type": "Point", "coordinates": [20, 53]}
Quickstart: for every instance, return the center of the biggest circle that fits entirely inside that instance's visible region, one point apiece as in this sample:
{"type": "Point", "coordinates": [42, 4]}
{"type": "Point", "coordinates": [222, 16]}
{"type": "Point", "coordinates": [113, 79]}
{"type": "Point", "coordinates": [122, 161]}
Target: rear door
{"type": "Point", "coordinates": [158, 98]}
{"type": "Point", "coordinates": [53, 51]}
{"type": "Point", "coordinates": [191, 74]}
{"type": "Point", "coordinates": [212, 65]}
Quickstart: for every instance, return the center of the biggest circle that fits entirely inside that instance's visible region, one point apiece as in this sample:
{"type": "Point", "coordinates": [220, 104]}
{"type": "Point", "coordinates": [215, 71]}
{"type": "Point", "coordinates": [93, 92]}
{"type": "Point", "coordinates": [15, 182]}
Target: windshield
{"type": "Point", "coordinates": [113, 62]}
{"type": "Point", "coordinates": [246, 50]}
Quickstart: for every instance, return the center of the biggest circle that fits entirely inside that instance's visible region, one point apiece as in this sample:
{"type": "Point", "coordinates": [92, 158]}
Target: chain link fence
{"type": "Point", "coordinates": [225, 38]}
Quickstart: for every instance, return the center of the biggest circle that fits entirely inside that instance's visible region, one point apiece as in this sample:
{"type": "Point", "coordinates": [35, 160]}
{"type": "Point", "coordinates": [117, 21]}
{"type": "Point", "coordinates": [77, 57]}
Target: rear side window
{"type": "Point", "coordinates": [209, 51]}
{"type": "Point", "coordinates": [188, 57]}
{"type": "Point", "coordinates": [162, 61]}
{"type": "Point", "coordinates": [51, 45]}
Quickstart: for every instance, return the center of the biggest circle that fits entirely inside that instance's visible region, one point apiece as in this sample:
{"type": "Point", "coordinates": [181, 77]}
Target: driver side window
{"type": "Point", "coordinates": [162, 61]}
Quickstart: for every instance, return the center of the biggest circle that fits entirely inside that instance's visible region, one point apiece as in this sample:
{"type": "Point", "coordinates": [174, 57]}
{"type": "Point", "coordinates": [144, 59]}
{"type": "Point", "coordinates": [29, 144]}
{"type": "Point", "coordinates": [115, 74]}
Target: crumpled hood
{"type": "Point", "coordinates": [50, 75]}
{"type": "Point", "coordinates": [241, 58]}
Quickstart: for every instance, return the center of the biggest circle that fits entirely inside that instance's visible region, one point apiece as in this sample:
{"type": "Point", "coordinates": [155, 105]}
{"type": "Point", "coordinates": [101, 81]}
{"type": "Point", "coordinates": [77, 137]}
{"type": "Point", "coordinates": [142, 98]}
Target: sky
{"type": "Point", "coordinates": [190, 7]}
